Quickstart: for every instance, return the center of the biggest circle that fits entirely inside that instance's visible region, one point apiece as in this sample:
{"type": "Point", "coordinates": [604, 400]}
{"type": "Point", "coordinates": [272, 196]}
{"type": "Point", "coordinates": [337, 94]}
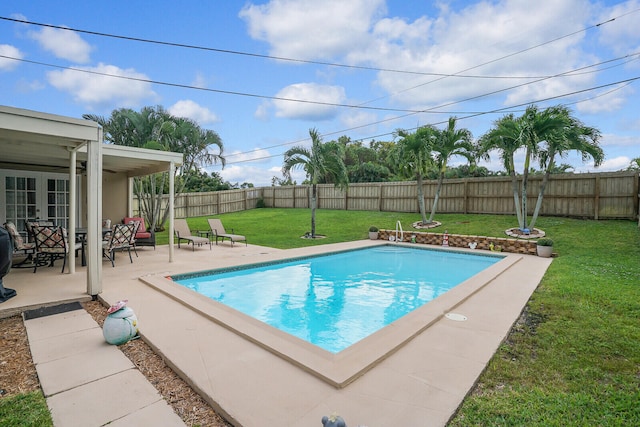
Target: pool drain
{"type": "Point", "coordinates": [455, 316]}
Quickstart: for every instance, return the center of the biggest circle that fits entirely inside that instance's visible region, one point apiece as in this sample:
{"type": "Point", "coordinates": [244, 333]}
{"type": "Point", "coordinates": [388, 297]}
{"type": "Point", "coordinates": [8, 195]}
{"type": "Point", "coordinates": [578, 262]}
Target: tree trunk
{"type": "Point", "coordinates": [543, 186]}
{"type": "Point", "coordinates": [435, 200]}
{"type": "Point", "coordinates": [423, 211]}
{"type": "Point", "coordinates": [525, 179]}
{"type": "Point", "coordinates": [313, 210]}
{"type": "Point", "coordinates": [516, 198]}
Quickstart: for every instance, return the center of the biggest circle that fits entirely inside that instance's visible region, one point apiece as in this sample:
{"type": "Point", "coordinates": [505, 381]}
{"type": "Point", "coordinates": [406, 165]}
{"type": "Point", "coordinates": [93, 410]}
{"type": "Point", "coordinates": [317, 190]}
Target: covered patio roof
{"type": "Point", "coordinates": [36, 141]}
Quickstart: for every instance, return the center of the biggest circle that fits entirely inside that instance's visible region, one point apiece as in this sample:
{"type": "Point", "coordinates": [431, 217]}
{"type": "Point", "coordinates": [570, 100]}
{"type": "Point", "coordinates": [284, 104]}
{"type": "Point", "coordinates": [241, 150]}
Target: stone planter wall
{"type": "Point", "coordinates": [462, 241]}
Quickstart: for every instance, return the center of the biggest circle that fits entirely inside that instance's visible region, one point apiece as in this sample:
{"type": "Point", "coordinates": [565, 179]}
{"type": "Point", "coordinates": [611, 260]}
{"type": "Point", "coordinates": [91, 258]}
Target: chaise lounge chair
{"type": "Point", "coordinates": [21, 249]}
{"type": "Point", "coordinates": [218, 230]}
{"type": "Point", "coordinates": [182, 231]}
{"type": "Point", "coordinates": [144, 236]}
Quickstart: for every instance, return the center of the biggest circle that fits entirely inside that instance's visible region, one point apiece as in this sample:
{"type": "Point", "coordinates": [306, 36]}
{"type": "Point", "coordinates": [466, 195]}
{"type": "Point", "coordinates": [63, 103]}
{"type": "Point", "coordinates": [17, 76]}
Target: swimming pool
{"type": "Point", "coordinates": [337, 299]}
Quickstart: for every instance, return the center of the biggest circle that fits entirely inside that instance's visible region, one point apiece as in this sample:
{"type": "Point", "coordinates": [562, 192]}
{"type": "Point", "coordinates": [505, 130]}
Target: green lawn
{"type": "Point", "coordinates": [576, 358]}
{"type": "Point", "coordinates": [575, 361]}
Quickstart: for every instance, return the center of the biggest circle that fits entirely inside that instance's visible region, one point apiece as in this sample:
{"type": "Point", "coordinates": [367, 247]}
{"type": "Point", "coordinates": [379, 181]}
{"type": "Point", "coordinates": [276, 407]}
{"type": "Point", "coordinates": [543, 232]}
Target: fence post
{"type": "Point", "coordinates": [466, 196]}
{"type": "Point", "coordinates": [346, 199]}
{"type": "Point", "coordinates": [596, 201]}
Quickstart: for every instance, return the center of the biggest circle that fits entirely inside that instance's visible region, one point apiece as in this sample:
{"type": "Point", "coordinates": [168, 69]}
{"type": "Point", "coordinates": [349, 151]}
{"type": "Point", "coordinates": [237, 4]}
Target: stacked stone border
{"type": "Point", "coordinates": [501, 244]}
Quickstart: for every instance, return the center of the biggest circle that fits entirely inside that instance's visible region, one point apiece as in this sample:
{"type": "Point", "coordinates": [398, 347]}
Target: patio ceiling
{"type": "Point", "coordinates": [36, 141]}
{"type": "Point", "coordinates": [46, 148]}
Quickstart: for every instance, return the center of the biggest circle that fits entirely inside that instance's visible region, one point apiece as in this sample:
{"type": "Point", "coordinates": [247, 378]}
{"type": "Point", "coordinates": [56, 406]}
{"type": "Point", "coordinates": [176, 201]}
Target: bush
{"type": "Point", "coordinates": [545, 241]}
{"type": "Point", "coordinates": [373, 229]}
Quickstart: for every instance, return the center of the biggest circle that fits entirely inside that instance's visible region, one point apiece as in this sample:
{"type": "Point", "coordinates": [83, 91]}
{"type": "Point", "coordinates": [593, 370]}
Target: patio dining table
{"type": "Point", "coordinates": [81, 233]}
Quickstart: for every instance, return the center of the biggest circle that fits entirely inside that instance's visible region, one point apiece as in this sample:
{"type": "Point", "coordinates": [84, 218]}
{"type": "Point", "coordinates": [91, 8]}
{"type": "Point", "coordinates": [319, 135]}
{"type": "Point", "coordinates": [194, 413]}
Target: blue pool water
{"type": "Point", "coordinates": [335, 300]}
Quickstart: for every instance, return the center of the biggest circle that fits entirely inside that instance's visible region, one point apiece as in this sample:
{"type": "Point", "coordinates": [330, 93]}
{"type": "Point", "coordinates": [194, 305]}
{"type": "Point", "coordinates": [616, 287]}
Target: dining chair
{"type": "Point", "coordinates": [51, 244]}
{"type": "Point", "coordinates": [119, 240]}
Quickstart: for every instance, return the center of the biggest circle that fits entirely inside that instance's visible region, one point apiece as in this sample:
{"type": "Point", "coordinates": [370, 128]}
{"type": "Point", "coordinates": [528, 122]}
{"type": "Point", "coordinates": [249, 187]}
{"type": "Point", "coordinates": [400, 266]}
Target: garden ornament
{"type": "Point", "coordinates": [333, 421]}
{"type": "Point", "coordinates": [121, 324]}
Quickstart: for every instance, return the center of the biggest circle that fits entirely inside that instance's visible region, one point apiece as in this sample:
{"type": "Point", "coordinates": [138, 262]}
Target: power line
{"type": "Point", "coordinates": [257, 55]}
{"type": "Point", "coordinates": [624, 83]}
{"type": "Point", "coordinates": [432, 109]}
{"type": "Point", "coordinates": [185, 86]}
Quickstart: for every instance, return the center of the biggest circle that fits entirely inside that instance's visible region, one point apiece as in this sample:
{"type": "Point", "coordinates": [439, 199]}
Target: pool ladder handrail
{"type": "Point", "coordinates": [399, 226]}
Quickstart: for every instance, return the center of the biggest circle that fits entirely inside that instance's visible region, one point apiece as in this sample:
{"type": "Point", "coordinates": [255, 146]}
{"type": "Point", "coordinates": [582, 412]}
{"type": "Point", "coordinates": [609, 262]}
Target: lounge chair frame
{"type": "Point", "coordinates": [220, 233]}
{"type": "Point", "coordinates": [183, 232]}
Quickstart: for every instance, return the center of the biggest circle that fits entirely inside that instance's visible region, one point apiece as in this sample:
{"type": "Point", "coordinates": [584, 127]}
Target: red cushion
{"type": "Point", "coordinates": [144, 235]}
{"type": "Point", "coordinates": [141, 229]}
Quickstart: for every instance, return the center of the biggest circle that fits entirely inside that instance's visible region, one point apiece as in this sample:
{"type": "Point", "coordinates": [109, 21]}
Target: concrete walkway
{"type": "Point", "coordinates": [86, 381]}
{"type": "Point", "coordinates": [420, 384]}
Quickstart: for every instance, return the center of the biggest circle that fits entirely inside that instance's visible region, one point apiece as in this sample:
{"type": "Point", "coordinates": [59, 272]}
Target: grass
{"type": "Point", "coordinates": [575, 357]}
{"type": "Point", "coordinates": [574, 360]}
{"type": "Point", "coordinates": [23, 410]}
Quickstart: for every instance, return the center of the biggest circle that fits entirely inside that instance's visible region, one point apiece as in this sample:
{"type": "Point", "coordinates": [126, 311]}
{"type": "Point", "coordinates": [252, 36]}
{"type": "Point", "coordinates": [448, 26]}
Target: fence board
{"type": "Point", "coordinates": [611, 195]}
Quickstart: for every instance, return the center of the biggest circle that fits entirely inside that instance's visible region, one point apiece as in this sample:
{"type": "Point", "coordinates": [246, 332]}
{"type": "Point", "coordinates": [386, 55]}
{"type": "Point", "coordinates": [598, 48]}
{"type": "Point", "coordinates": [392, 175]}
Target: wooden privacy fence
{"type": "Point", "coordinates": [612, 195]}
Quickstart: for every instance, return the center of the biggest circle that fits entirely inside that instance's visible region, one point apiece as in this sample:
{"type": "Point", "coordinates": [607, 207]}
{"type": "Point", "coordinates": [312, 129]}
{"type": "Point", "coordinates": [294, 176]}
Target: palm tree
{"type": "Point", "coordinates": [571, 135]}
{"type": "Point", "coordinates": [505, 138]}
{"type": "Point", "coordinates": [544, 135]}
{"type": "Point", "coordinates": [322, 162]}
{"type": "Point", "coordinates": [413, 158]}
{"type": "Point", "coordinates": [448, 143]}
{"type": "Point", "coordinates": [154, 128]}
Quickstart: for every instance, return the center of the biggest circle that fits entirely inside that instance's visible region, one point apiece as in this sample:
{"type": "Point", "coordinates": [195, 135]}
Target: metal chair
{"type": "Point", "coordinates": [120, 239]}
{"type": "Point", "coordinates": [51, 244]}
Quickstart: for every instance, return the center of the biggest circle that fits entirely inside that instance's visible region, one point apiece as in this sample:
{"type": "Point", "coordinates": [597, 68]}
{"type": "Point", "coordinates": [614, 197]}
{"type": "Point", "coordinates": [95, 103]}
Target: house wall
{"type": "Point", "coordinates": [114, 197]}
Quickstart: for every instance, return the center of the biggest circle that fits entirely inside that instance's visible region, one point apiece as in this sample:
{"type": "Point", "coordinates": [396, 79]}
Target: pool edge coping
{"type": "Point", "coordinates": [341, 369]}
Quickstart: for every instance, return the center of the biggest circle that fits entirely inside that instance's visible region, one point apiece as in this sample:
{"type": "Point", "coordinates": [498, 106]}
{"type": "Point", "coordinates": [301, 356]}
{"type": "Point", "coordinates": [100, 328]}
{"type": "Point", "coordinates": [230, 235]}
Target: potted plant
{"type": "Point", "coordinates": [373, 232]}
{"type": "Point", "coordinates": [544, 247]}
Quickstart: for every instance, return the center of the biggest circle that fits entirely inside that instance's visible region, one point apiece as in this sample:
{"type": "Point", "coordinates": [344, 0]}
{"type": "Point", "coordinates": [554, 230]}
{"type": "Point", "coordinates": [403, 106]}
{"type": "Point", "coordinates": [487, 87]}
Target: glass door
{"type": "Point", "coordinates": [58, 201]}
{"type": "Point", "coordinates": [21, 201]}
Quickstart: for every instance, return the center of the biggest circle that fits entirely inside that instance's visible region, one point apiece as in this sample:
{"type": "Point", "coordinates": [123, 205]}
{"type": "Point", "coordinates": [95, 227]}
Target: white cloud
{"type": "Point", "coordinates": [609, 165]}
{"type": "Point", "coordinates": [11, 51]}
{"type": "Point", "coordinates": [191, 110]}
{"type": "Point", "coordinates": [310, 92]}
{"type": "Point", "coordinates": [199, 81]}
{"type": "Point", "coordinates": [612, 100]}
{"type": "Point", "coordinates": [309, 29]}
{"type": "Point", "coordinates": [455, 40]}
{"type": "Point", "coordinates": [63, 44]}
{"type": "Point", "coordinates": [245, 173]}
{"type": "Point", "coordinates": [360, 121]}
{"type": "Point", "coordinates": [623, 34]}
{"type": "Point", "coordinates": [613, 140]}
{"type": "Point", "coordinates": [98, 90]}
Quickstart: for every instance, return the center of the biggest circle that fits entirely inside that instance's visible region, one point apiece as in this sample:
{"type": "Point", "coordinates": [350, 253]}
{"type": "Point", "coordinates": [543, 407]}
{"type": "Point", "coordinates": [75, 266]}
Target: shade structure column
{"type": "Point", "coordinates": [94, 212]}
{"type": "Point", "coordinates": [172, 171]}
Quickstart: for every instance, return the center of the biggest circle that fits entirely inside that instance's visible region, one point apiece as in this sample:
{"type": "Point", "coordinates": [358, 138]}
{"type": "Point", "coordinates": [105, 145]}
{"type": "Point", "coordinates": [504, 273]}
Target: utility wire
{"type": "Point", "coordinates": [432, 110]}
{"type": "Point", "coordinates": [185, 86]}
{"type": "Point", "coordinates": [278, 58]}
{"type": "Point", "coordinates": [623, 84]}
{"type": "Point", "coordinates": [324, 63]}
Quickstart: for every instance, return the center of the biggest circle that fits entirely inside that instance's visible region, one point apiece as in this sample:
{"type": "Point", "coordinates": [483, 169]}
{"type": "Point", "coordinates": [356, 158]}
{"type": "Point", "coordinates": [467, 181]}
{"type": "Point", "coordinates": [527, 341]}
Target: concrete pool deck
{"type": "Point", "coordinates": [419, 384]}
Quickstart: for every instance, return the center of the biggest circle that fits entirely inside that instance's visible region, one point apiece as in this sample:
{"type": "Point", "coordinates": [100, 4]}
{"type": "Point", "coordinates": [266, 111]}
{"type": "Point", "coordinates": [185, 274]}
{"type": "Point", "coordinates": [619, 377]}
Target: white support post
{"type": "Point", "coordinates": [73, 197]}
{"type": "Point", "coordinates": [172, 171]}
{"type": "Point", "coordinates": [94, 212]}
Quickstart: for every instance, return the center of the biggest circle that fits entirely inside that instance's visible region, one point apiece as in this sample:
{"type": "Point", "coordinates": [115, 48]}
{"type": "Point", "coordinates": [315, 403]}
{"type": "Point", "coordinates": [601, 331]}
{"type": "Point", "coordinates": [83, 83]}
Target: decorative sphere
{"type": "Point", "coordinates": [120, 326]}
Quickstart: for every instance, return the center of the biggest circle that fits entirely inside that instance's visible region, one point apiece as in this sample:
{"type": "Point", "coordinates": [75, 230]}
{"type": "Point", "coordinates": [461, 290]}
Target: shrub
{"type": "Point", "coordinates": [373, 229]}
{"type": "Point", "coordinates": [545, 241]}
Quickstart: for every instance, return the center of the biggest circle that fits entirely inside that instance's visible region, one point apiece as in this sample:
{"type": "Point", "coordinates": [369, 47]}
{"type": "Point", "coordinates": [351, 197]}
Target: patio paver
{"type": "Point", "coordinates": [421, 384]}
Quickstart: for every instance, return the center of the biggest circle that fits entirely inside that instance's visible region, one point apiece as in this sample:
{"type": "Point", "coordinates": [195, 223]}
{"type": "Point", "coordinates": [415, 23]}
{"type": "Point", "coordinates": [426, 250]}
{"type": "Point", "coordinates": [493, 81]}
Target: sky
{"type": "Point", "coordinates": [262, 74]}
